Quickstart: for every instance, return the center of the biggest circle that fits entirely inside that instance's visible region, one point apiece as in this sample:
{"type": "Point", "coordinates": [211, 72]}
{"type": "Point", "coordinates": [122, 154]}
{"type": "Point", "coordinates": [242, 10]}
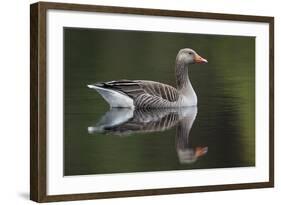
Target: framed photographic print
{"type": "Point", "coordinates": [134, 102]}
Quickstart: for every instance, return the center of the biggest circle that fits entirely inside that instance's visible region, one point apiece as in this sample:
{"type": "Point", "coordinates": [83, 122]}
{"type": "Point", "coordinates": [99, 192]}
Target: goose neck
{"type": "Point", "coordinates": [182, 77]}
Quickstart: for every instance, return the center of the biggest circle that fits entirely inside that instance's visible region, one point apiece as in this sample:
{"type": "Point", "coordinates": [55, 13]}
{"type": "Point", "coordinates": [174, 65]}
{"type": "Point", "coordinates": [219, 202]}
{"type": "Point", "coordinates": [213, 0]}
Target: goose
{"type": "Point", "coordinates": [151, 94]}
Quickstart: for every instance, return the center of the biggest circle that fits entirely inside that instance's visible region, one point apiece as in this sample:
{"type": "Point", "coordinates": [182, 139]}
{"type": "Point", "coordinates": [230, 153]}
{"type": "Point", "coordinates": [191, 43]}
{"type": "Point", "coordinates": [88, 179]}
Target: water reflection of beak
{"type": "Point", "coordinates": [199, 59]}
{"type": "Point", "coordinates": [200, 151]}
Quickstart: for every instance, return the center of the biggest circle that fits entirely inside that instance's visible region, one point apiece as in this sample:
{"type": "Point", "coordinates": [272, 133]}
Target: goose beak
{"type": "Point", "coordinates": [200, 151]}
{"type": "Point", "coordinates": [200, 60]}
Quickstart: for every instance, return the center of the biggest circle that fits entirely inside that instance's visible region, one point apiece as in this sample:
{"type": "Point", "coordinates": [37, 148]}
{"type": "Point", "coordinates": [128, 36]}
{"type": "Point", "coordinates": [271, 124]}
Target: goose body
{"type": "Point", "coordinates": [150, 94]}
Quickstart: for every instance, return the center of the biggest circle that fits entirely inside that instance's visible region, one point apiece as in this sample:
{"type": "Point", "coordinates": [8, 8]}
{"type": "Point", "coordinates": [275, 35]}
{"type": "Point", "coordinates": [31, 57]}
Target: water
{"type": "Point", "coordinates": [218, 133]}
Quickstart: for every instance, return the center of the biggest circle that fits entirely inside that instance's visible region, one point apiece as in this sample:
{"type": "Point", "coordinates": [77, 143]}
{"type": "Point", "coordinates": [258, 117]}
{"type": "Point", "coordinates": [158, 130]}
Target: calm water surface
{"type": "Point", "coordinates": [218, 133]}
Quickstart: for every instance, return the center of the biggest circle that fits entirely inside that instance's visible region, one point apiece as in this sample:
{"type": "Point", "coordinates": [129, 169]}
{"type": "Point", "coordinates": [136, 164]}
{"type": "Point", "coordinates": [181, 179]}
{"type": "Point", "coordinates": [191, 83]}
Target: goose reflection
{"type": "Point", "coordinates": [125, 121]}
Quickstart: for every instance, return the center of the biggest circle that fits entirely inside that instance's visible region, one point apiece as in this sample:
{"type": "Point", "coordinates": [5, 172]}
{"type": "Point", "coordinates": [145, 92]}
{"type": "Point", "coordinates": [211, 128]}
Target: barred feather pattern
{"type": "Point", "coordinates": [146, 94]}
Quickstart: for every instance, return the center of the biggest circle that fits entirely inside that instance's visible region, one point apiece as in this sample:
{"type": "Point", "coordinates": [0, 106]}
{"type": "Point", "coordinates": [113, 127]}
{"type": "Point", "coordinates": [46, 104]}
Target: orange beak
{"type": "Point", "coordinates": [199, 59]}
{"type": "Point", "coordinates": [200, 151]}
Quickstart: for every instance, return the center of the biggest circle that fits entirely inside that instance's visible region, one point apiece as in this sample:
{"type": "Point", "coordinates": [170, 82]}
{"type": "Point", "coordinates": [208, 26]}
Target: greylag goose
{"type": "Point", "coordinates": [144, 93]}
{"type": "Point", "coordinates": [126, 122]}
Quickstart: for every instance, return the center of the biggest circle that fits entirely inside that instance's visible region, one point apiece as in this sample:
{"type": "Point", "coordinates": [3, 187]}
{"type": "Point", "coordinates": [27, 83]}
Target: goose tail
{"type": "Point", "coordinates": [114, 98]}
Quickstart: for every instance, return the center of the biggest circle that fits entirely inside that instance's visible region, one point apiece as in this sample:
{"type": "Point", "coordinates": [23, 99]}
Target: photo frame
{"type": "Point", "coordinates": [47, 180]}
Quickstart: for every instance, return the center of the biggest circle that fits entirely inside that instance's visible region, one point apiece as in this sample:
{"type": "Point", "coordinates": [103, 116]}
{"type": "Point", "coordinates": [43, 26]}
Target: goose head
{"type": "Point", "coordinates": [189, 56]}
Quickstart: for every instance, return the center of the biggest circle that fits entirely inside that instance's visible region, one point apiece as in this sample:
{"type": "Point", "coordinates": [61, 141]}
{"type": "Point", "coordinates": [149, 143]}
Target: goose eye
{"type": "Point", "coordinates": [189, 53]}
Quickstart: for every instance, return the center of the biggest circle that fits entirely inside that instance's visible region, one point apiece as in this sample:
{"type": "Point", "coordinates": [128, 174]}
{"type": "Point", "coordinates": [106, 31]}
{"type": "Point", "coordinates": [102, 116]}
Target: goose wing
{"type": "Point", "coordinates": [137, 88]}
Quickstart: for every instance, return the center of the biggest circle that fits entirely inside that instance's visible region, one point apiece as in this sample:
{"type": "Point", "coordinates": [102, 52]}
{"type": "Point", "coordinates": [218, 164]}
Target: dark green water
{"type": "Point", "coordinates": [225, 87]}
